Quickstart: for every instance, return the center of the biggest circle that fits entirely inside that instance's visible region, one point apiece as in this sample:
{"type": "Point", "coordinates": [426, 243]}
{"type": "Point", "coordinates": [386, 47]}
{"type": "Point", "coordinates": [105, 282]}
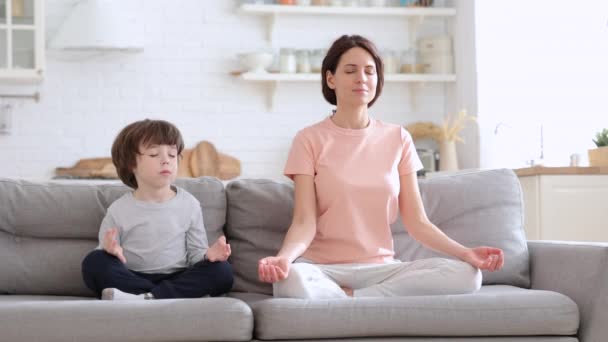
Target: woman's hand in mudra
{"type": "Point", "coordinates": [273, 269]}
{"type": "Point", "coordinates": [485, 258]}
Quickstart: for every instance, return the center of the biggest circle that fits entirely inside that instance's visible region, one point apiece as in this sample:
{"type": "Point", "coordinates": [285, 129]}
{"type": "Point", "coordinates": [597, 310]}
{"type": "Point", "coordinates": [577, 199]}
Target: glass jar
{"type": "Point", "coordinates": [287, 61]}
{"type": "Point", "coordinates": [316, 59]}
{"type": "Point", "coordinates": [391, 62]}
{"type": "Point", "coordinates": [303, 61]}
{"type": "Point", "coordinates": [376, 3]}
{"type": "Point", "coordinates": [408, 61]}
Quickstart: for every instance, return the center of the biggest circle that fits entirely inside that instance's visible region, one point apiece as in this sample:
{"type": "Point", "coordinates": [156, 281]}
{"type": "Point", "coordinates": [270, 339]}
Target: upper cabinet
{"type": "Point", "coordinates": [21, 40]}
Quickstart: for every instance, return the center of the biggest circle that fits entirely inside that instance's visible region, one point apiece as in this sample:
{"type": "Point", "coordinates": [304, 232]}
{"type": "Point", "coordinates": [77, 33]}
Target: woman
{"type": "Point", "coordinates": [352, 175]}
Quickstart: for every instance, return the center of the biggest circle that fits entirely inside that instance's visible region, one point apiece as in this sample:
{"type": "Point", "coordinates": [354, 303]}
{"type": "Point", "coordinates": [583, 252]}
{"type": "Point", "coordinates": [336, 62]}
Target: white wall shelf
{"type": "Point", "coordinates": [415, 15]}
{"type": "Point", "coordinates": [272, 79]}
{"type": "Point", "coordinates": [267, 77]}
{"type": "Point", "coordinates": [335, 10]}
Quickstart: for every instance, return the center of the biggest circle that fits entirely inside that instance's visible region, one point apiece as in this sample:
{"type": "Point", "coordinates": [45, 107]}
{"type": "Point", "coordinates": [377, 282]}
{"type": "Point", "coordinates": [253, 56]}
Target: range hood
{"type": "Point", "coordinates": [100, 25]}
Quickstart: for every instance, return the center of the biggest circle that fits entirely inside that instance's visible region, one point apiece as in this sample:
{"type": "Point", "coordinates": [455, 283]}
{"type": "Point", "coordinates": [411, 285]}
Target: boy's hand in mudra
{"type": "Point", "coordinates": [219, 251]}
{"type": "Point", "coordinates": [111, 246]}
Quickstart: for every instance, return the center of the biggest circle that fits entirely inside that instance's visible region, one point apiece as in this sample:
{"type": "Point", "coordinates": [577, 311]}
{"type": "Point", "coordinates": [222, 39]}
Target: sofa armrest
{"type": "Point", "coordinates": [578, 270]}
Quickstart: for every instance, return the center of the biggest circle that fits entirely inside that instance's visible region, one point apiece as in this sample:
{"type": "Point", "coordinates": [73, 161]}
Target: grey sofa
{"type": "Point", "coordinates": [546, 292]}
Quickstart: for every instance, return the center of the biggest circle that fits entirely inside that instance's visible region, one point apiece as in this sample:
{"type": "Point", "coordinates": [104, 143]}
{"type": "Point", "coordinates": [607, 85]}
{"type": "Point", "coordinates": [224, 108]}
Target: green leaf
{"type": "Point", "coordinates": [601, 138]}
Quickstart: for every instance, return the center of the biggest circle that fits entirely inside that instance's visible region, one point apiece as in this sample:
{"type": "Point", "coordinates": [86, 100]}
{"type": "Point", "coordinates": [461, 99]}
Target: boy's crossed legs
{"type": "Point", "coordinates": [102, 271]}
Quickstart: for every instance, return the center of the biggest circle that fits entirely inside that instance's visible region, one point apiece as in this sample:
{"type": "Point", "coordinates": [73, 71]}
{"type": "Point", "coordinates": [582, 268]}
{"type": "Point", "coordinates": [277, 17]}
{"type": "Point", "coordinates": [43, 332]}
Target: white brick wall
{"type": "Point", "coordinates": [183, 76]}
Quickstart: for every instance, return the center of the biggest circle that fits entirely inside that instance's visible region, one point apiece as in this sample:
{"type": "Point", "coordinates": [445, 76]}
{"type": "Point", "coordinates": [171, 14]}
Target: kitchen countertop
{"type": "Point", "coordinates": [561, 170]}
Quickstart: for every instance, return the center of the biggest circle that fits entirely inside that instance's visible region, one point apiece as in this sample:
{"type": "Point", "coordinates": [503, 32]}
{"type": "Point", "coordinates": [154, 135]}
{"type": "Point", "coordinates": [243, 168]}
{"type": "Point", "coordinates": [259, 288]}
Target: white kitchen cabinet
{"type": "Point", "coordinates": [571, 207]}
{"type": "Point", "coordinates": [21, 40]}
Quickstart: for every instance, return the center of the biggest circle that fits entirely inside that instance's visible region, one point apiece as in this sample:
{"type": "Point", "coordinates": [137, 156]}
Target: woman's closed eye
{"type": "Point", "coordinates": [368, 71]}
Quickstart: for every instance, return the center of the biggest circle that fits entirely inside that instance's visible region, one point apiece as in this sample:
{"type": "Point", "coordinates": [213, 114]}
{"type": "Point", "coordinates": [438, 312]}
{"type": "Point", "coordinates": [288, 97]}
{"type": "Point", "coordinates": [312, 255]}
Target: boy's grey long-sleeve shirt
{"type": "Point", "coordinates": [158, 237]}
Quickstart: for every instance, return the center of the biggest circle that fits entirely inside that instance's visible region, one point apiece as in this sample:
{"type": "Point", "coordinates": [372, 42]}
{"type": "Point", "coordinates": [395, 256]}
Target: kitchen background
{"type": "Point", "coordinates": [182, 74]}
{"type": "Point", "coordinates": [187, 49]}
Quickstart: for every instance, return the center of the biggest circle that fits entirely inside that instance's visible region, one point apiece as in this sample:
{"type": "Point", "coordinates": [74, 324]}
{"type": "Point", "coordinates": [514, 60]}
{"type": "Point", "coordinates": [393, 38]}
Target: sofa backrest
{"type": "Point", "coordinates": [477, 208]}
{"type": "Point", "coordinates": [47, 228]}
{"type": "Point", "coordinates": [481, 208]}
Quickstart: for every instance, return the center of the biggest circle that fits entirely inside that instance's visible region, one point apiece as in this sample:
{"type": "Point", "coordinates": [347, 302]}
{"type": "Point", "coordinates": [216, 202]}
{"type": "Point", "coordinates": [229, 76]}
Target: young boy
{"type": "Point", "coordinates": [152, 242]}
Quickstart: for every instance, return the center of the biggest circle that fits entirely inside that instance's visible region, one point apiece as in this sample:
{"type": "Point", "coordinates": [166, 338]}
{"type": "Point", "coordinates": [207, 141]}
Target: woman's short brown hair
{"type": "Point", "coordinates": [331, 60]}
{"type": "Point", "coordinates": [141, 133]}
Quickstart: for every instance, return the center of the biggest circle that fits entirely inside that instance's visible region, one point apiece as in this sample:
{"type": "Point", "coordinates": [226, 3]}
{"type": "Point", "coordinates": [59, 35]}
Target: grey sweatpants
{"type": "Point", "coordinates": [434, 276]}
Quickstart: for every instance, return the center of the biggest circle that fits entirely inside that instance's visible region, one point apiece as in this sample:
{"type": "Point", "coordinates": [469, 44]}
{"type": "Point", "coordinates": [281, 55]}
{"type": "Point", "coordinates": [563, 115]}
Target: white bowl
{"type": "Point", "coordinates": [256, 61]}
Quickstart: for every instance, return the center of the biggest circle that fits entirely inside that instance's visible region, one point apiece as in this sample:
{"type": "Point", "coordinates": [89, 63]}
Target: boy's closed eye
{"type": "Point", "coordinates": [155, 151]}
{"type": "Point", "coordinates": [154, 155]}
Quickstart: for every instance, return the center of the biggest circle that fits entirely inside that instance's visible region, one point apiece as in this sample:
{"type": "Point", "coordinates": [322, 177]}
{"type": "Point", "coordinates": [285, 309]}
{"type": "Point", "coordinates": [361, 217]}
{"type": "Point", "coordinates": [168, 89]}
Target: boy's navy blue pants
{"type": "Point", "coordinates": [101, 270]}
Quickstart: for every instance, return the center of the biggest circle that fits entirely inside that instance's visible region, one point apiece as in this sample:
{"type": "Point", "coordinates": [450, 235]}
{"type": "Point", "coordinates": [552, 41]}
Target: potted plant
{"type": "Point", "coordinates": [599, 156]}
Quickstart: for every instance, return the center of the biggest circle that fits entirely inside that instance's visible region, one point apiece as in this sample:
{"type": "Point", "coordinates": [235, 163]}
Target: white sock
{"type": "Point", "coordinates": [116, 294]}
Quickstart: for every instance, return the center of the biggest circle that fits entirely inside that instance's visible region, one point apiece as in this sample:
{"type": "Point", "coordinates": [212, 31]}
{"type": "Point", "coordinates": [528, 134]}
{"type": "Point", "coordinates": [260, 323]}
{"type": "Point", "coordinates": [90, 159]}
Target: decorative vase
{"type": "Point", "coordinates": [598, 156]}
{"type": "Point", "coordinates": [448, 158]}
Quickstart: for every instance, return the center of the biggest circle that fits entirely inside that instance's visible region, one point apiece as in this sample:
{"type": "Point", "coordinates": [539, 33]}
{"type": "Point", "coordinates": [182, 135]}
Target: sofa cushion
{"type": "Point", "coordinates": [496, 310]}
{"type": "Point", "coordinates": [478, 208]}
{"type": "Point", "coordinates": [46, 229]}
{"type": "Point", "coordinates": [259, 213]}
{"type": "Point", "coordinates": [69, 319]}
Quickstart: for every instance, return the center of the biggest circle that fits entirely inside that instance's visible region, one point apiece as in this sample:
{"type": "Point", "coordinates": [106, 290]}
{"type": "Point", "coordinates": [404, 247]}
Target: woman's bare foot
{"type": "Point", "coordinates": [347, 290]}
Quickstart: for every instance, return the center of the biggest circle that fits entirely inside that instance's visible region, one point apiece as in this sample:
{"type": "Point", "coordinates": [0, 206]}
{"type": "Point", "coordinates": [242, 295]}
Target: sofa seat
{"type": "Point", "coordinates": [58, 318]}
{"type": "Point", "coordinates": [496, 310]}
{"type": "Point", "coordinates": [443, 339]}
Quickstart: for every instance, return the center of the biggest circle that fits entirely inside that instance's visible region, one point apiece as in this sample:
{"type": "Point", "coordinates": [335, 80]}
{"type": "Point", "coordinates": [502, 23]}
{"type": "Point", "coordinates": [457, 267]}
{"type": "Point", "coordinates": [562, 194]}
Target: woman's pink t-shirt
{"type": "Point", "coordinates": [356, 174]}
